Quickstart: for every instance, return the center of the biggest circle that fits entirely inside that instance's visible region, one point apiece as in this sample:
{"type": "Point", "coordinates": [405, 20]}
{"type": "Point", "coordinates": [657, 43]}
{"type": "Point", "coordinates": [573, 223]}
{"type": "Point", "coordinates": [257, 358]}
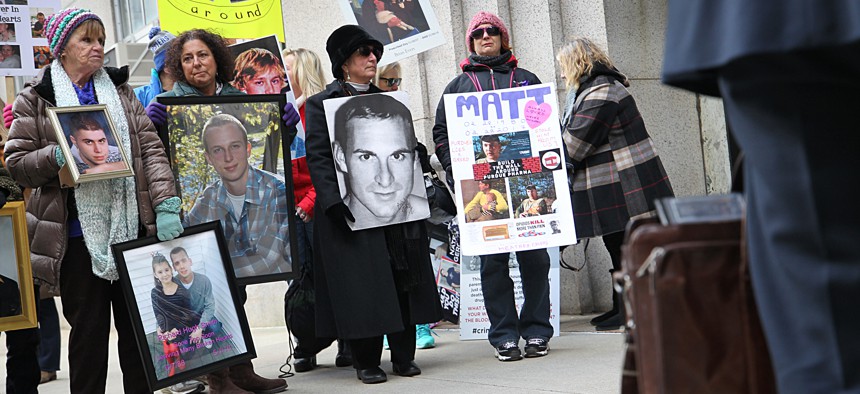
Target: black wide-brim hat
{"type": "Point", "coordinates": [343, 42]}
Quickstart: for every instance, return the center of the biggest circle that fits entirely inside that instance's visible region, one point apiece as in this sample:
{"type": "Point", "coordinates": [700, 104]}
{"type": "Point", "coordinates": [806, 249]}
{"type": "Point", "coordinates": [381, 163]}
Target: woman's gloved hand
{"type": "Point", "coordinates": [7, 116]}
{"type": "Point", "coordinates": [167, 223]}
{"type": "Point", "coordinates": [291, 116]}
{"type": "Point", "coordinates": [157, 113]}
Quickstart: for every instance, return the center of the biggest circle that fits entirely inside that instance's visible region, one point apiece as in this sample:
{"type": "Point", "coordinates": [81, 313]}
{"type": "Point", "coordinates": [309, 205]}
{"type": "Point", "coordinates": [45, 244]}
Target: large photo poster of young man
{"type": "Point", "coordinates": [405, 27]}
{"type": "Point", "coordinates": [510, 175]}
{"type": "Point", "coordinates": [378, 170]}
{"type": "Point", "coordinates": [185, 309]}
{"type": "Point", "coordinates": [219, 154]}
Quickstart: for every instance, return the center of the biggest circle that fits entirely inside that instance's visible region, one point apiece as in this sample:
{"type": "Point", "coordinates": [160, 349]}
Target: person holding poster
{"type": "Point", "coordinates": [491, 65]}
{"type": "Point", "coordinates": [76, 227]}
{"type": "Point", "coordinates": [370, 282]}
{"type": "Point", "coordinates": [602, 128]}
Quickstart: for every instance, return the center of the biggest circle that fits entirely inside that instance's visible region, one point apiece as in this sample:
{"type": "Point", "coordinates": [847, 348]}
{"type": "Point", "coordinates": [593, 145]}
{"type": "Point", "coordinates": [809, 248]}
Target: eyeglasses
{"type": "Point", "coordinates": [491, 31]}
{"type": "Point", "coordinates": [392, 82]}
{"type": "Point", "coordinates": [366, 50]}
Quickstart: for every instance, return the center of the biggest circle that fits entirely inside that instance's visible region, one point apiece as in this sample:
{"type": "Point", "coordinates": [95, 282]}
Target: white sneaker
{"type": "Point", "coordinates": [187, 387]}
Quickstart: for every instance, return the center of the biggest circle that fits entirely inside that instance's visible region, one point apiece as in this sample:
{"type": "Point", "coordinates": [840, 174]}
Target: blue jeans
{"type": "Point", "coordinates": [49, 331]}
{"type": "Point", "coordinates": [498, 288]}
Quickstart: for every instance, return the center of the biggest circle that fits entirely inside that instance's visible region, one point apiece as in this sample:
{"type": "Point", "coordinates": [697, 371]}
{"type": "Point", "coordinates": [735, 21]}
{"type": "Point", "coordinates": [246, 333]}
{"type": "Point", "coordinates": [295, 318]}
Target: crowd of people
{"type": "Point", "coordinates": [375, 285]}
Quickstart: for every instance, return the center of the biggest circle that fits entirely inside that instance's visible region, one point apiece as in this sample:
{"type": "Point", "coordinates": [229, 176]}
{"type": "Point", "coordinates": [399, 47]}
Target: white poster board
{"type": "Point", "coordinates": [510, 175]}
{"type": "Point", "coordinates": [405, 27]}
{"type": "Point", "coordinates": [378, 170]}
{"type": "Point", "coordinates": [474, 322]}
{"type": "Point", "coordinates": [23, 46]}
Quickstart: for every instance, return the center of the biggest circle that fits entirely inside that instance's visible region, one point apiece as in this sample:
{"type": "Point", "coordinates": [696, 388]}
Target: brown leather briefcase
{"type": "Point", "coordinates": [692, 321]}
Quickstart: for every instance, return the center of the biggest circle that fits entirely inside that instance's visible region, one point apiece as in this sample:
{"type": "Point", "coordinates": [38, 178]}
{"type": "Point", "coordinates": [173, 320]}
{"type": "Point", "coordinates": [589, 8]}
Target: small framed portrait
{"type": "Point", "coordinates": [17, 301]}
{"type": "Point", "coordinates": [185, 309]}
{"type": "Point", "coordinates": [90, 144]}
{"type": "Point", "coordinates": [378, 170]}
{"type": "Point", "coordinates": [228, 158]}
{"type": "Point", "coordinates": [492, 148]}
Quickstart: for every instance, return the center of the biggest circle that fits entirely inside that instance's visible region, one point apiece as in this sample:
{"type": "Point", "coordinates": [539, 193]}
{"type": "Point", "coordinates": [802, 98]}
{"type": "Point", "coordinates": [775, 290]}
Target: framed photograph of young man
{"type": "Point", "coordinates": [91, 145]}
{"type": "Point", "coordinates": [227, 169]}
{"type": "Point", "coordinates": [185, 309]}
{"type": "Point", "coordinates": [378, 170]}
{"type": "Point", "coordinates": [17, 301]}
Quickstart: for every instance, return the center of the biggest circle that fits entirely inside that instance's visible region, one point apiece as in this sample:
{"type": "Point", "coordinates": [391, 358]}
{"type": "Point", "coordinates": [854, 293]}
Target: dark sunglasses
{"type": "Point", "coordinates": [491, 31]}
{"type": "Point", "coordinates": [366, 50]}
{"type": "Point", "coordinates": [392, 82]}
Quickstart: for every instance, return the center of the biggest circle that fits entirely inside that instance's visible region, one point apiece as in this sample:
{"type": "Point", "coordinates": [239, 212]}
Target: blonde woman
{"type": "Point", "coordinates": [602, 124]}
{"type": "Point", "coordinates": [306, 77]}
{"type": "Point", "coordinates": [388, 77]}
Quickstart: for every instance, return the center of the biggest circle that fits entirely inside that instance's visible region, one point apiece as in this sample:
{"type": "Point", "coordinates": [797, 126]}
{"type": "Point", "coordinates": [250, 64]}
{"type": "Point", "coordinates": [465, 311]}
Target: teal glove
{"type": "Point", "coordinates": [167, 223]}
{"type": "Point", "coordinates": [58, 154]}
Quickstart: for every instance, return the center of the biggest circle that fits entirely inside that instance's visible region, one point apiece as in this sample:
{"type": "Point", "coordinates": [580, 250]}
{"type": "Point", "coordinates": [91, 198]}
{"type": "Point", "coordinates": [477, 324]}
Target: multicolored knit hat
{"type": "Point", "coordinates": [487, 17]}
{"type": "Point", "coordinates": [62, 24]}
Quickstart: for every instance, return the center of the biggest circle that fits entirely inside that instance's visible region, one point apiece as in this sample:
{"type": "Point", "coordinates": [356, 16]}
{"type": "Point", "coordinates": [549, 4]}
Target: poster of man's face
{"type": "Point", "coordinates": [92, 142]}
{"type": "Point", "coordinates": [228, 170]}
{"type": "Point", "coordinates": [259, 67]}
{"type": "Point", "coordinates": [379, 173]}
{"type": "Point", "coordinates": [185, 305]}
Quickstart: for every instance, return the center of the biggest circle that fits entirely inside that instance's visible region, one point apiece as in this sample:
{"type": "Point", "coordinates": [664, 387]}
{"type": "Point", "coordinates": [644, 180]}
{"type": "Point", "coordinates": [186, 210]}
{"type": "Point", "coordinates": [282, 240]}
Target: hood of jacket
{"type": "Point", "coordinates": [600, 69]}
{"type": "Point", "coordinates": [44, 87]}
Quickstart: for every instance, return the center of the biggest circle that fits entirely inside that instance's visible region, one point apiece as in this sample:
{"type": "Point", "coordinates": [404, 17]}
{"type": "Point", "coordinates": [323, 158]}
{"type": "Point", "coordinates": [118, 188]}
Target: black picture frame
{"type": "Point", "coordinates": [182, 138]}
{"type": "Point", "coordinates": [223, 346]}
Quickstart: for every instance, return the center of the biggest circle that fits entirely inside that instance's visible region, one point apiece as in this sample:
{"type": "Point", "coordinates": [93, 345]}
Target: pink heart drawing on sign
{"type": "Point", "coordinates": [537, 114]}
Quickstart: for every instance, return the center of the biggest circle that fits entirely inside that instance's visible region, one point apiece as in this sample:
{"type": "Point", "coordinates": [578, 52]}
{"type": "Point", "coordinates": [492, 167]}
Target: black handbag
{"type": "Point", "coordinates": [442, 208]}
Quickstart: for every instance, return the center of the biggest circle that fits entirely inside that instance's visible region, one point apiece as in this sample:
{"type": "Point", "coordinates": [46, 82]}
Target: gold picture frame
{"type": "Point", "coordinates": [100, 155]}
{"type": "Point", "coordinates": [13, 237]}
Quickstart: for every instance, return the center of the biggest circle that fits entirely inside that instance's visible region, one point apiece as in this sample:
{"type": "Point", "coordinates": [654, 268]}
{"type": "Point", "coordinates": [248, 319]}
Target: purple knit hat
{"type": "Point", "coordinates": [62, 24]}
{"type": "Point", "coordinates": [487, 17]}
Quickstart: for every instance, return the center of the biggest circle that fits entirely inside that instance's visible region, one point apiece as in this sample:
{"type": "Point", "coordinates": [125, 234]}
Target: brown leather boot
{"type": "Point", "coordinates": [220, 383]}
{"type": "Point", "coordinates": [244, 376]}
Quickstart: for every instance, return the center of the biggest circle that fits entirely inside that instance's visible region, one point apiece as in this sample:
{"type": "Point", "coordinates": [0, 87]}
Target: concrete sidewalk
{"type": "Point", "coordinates": [580, 361]}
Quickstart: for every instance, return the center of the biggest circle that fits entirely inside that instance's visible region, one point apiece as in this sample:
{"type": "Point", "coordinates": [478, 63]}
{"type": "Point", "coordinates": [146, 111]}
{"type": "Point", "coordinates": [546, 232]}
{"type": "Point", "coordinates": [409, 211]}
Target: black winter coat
{"type": "Point", "coordinates": [355, 289]}
{"type": "Point", "coordinates": [476, 77]}
{"type": "Point", "coordinates": [704, 35]}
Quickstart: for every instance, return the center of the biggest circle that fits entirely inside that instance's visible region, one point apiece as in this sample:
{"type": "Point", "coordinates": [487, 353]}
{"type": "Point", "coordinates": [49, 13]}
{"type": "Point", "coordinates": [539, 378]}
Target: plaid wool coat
{"type": "Point", "coordinates": [616, 173]}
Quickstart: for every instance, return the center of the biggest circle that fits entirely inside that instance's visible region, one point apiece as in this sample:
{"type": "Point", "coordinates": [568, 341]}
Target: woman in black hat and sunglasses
{"type": "Point", "coordinates": [369, 282]}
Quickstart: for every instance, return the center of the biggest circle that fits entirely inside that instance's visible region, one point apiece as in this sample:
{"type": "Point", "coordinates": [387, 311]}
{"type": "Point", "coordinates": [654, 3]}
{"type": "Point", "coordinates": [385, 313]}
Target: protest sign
{"type": "Point", "coordinates": [229, 18]}
{"type": "Point", "coordinates": [510, 175]}
{"type": "Point", "coordinates": [405, 27]}
{"type": "Point", "coordinates": [474, 322]}
{"type": "Point", "coordinates": [23, 46]}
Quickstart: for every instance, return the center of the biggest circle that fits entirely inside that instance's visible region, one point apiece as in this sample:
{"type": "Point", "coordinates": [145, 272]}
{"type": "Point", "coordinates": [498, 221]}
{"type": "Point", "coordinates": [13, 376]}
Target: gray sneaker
{"type": "Point", "coordinates": [187, 387]}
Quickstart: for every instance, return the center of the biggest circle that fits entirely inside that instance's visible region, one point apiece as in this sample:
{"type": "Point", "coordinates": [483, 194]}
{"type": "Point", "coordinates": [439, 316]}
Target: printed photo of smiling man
{"type": "Point", "coordinates": [379, 172]}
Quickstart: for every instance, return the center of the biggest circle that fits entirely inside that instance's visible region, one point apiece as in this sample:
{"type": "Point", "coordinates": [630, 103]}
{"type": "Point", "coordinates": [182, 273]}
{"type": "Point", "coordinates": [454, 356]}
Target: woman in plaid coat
{"type": "Point", "coordinates": [616, 172]}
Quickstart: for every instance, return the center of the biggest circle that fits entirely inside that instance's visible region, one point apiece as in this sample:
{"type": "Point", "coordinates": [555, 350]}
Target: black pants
{"type": "Point", "coordinates": [22, 362]}
{"type": "Point", "coordinates": [498, 289]}
{"type": "Point", "coordinates": [793, 115]}
{"type": "Point", "coordinates": [367, 352]}
{"type": "Point", "coordinates": [87, 303]}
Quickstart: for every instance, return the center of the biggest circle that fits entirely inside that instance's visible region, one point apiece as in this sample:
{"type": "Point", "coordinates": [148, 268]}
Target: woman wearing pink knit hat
{"type": "Point", "coordinates": [491, 66]}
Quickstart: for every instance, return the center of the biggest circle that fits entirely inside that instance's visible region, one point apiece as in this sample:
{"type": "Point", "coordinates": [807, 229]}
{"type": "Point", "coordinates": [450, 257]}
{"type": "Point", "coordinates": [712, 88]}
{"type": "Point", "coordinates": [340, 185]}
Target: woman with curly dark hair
{"type": "Point", "coordinates": [202, 65]}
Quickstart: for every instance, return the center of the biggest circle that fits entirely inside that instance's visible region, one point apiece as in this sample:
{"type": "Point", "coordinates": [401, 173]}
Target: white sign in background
{"type": "Point", "coordinates": [474, 322]}
{"type": "Point", "coordinates": [525, 121]}
{"type": "Point", "coordinates": [31, 46]}
{"type": "Point", "coordinates": [405, 29]}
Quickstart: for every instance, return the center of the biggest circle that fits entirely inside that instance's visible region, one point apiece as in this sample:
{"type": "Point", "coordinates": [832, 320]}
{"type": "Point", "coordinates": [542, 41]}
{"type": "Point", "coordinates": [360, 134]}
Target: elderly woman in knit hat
{"type": "Point", "coordinates": [489, 66]}
{"type": "Point", "coordinates": [370, 282]}
{"type": "Point", "coordinates": [71, 230]}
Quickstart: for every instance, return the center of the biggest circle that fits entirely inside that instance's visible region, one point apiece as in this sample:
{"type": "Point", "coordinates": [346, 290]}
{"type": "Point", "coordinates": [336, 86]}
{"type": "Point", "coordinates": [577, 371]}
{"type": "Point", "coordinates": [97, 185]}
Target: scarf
{"type": "Point", "coordinates": [568, 107]}
{"type": "Point", "coordinates": [107, 208]}
{"type": "Point", "coordinates": [491, 61]}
